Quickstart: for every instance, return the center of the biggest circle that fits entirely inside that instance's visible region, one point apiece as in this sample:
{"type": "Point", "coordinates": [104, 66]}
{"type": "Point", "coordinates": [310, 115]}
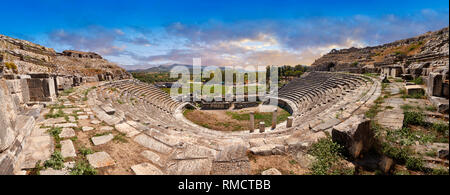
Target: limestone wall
{"type": "Point", "coordinates": [14, 127]}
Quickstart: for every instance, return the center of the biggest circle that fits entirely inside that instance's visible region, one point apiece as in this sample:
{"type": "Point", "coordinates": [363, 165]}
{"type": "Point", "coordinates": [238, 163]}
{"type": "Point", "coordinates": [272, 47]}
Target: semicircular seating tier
{"type": "Point", "coordinates": [315, 99]}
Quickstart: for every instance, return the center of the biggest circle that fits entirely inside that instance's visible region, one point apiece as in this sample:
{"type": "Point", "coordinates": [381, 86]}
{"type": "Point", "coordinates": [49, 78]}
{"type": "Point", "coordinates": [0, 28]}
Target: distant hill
{"type": "Point", "coordinates": [161, 68]}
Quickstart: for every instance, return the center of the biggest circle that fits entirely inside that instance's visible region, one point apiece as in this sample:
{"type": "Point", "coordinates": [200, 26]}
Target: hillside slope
{"type": "Point", "coordinates": [431, 47]}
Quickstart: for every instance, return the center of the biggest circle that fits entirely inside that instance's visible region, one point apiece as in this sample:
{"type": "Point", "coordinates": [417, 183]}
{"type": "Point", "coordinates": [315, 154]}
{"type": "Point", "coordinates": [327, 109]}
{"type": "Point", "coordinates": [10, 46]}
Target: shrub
{"type": "Point", "coordinates": [413, 118]}
{"type": "Point", "coordinates": [430, 108]}
{"type": "Point", "coordinates": [83, 168]}
{"type": "Point", "coordinates": [85, 151]}
{"type": "Point", "coordinates": [418, 81]}
{"type": "Point", "coordinates": [415, 164]}
{"type": "Point", "coordinates": [397, 153]}
{"type": "Point", "coordinates": [401, 172]}
{"type": "Point", "coordinates": [56, 161]}
{"type": "Point", "coordinates": [441, 128]}
{"type": "Point", "coordinates": [11, 65]}
{"type": "Point", "coordinates": [440, 171]}
{"type": "Point", "coordinates": [328, 158]}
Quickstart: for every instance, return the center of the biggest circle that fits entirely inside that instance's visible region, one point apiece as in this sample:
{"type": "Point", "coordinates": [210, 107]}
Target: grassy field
{"type": "Point", "coordinates": [232, 120]}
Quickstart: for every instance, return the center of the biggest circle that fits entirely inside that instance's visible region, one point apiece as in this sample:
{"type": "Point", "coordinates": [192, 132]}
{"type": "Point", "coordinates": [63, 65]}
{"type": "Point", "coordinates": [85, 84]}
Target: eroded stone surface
{"type": "Point", "coordinates": [152, 144]}
{"type": "Point", "coordinates": [190, 167]}
{"type": "Point", "coordinates": [271, 171]}
{"type": "Point", "coordinates": [153, 157]}
{"type": "Point", "coordinates": [106, 128]}
{"type": "Point", "coordinates": [67, 133]}
{"type": "Point", "coordinates": [67, 149]}
{"type": "Point", "coordinates": [87, 128]}
{"type": "Point", "coordinates": [100, 159]}
{"type": "Point", "coordinates": [146, 169]}
{"type": "Point", "coordinates": [99, 140]}
{"type": "Point", "coordinates": [127, 129]}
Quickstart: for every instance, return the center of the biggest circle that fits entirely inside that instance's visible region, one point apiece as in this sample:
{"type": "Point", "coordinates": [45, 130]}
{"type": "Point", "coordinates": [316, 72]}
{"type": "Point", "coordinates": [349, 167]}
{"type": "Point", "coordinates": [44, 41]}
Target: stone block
{"type": "Point", "coordinates": [67, 149]}
{"type": "Point", "coordinates": [355, 135]}
{"type": "Point", "coordinates": [100, 159]}
{"type": "Point", "coordinates": [146, 169]}
{"type": "Point", "coordinates": [414, 89]}
{"type": "Point", "coordinates": [271, 171]}
{"type": "Point", "coordinates": [99, 140]}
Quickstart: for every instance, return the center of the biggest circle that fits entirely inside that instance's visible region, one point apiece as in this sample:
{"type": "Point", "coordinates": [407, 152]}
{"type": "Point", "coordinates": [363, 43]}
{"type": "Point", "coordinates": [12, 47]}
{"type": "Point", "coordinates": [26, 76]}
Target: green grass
{"type": "Point", "coordinates": [418, 81]}
{"type": "Point", "coordinates": [419, 95]}
{"type": "Point", "coordinates": [120, 138]}
{"type": "Point", "coordinates": [406, 136]}
{"type": "Point", "coordinates": [374, 109]}
{"type": "Point", "coordinates": [85, 151]}
{"type": "Point", "coordinates": [441, 128]}
{"type": "Point", "coordinates": [440, 171]}
{"type": "Point", "coordinates": [430, 108]}
{"type": "Point", "coordinates": [371, 74]}
{"type": "Point", "coordinates": [414, 164]}
{"type": "Point", "coordinates": [101, 134]}
{"type": "Point", "coordinates": [52, 114]}
{"type": "Point", "coordinates": [265, 117]}
{"type": "Point", "coordinates": [68, 91]}
{"type": "Point", "coordinates": [406, 107]}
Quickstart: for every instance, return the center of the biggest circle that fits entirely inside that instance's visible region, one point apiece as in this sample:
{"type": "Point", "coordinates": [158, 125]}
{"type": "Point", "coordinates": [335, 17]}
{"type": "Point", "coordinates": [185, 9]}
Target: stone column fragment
{"type": "Point", "coordinates": [262, 127]}
{"type": "Point", "coordinates": [252, 122]}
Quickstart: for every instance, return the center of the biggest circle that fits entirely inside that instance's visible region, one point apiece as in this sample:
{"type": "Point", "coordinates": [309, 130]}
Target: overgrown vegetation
{"type": "Point", "coordinates": [418, 81]}
{"type": "Point", "coordinates": [56, 161]}
{"type": "Point", "coordinates": [329, 159]}
{"type": "Point", "coordinates": [11, 66]}
{"type": "Point", "coordinates": [120, 138]}
{"type": "Point", "coordinates": [83, 168]}
{"type": "Point", "coordinates": [67, 91]}
{"type": "Point", "coordinates": [375, 109]}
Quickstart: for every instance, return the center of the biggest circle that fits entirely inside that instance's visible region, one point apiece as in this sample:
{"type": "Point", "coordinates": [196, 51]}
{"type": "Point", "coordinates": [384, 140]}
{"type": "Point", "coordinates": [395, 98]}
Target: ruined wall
{"type": "Point", "coordinates": [23, 57]}
{"type": "Point", "coordinates": [15, 124]}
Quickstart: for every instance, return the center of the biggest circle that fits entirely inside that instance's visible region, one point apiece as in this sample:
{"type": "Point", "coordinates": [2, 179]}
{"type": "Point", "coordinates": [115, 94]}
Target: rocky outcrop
{"type": "Point", "coordinates": [431, 48]}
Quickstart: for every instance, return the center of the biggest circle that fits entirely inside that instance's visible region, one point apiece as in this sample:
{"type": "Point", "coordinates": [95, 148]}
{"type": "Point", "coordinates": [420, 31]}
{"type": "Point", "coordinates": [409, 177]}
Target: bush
{"type": "Point", "coordinates": [431, 108]}
{"type": "Point", "coordinates": [85, 151]}
{"type": "Point", "coordinates": [328, 158]}
{"type": "Point", "coordinates": [11, 65]}
{"type": "Point", "coordinates": [56, 161]}
{"type": "Point", "coordinates": [440, 171]}
{"type": "Point", "coordinates": [83, 168]}
{"type": "Point", "coordinates": [413, 118]}
{"type": "Point", "coordinates": [441, 128]}
{"type": "Point", "coordinates": [399, 154]}
{"type": "Point", "coordinates": [418, 81]}
{"type": "Point", "coordinates": [414, 164]}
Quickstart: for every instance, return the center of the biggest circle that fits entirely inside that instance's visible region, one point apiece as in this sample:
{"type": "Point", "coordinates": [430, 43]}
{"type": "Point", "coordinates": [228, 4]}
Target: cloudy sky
{"type": "Point", "coordinates": [220, 32]}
